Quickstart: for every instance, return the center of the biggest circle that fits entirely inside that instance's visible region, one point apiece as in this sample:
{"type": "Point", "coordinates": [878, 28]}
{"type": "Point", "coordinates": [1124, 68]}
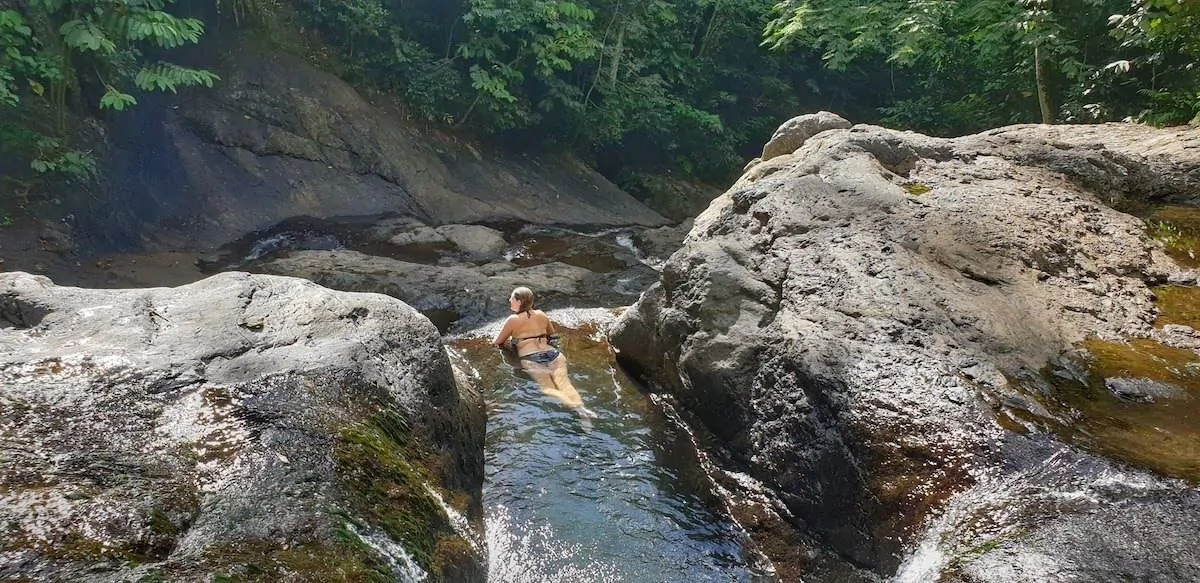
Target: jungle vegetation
{"type": "Point", "coordinates": [636, 88]}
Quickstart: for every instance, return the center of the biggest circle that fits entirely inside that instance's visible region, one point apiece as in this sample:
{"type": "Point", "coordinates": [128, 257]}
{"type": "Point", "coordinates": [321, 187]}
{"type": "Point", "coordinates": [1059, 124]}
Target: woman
{"type": "Point", "coordinates": [529, 332]}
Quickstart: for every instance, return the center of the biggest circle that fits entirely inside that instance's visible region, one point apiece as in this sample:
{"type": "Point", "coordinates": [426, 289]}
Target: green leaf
{"type": "Point", "coordinates": [114, 99]}
{"type": "Point", "coordinates": [168, 77]}
{"type": "Point", "coordinates": [12, 20]}
{"type": "Point", "coordinates": [50, 6]}
{"type": "Point", "coordinates": [162, 29]}
{"type": "Point", "coordinates": [86, 36]}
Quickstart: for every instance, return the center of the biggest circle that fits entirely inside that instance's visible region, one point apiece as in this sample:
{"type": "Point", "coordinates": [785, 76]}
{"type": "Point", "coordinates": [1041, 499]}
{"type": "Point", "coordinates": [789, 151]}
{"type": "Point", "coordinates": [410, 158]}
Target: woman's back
{"type": "Point", "coordinates": [531, 331]}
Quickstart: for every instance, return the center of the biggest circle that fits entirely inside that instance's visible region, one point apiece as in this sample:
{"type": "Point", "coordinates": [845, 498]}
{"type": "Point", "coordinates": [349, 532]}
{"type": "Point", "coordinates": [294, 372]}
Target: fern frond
{"type": "Point", "coordinates": [168, 77]}
{"type": "Point", "coordinates": [163, 29]}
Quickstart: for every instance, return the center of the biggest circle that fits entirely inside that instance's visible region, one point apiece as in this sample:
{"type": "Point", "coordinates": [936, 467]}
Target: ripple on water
{"type": "Point", "coordinates": [565, 502]}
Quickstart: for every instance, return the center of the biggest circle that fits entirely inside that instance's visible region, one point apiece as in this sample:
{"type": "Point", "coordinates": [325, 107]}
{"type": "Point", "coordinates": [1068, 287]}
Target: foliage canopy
{"type": "Point", "coordinates": [638, 87]}
{"type": "Point", "coordinates": [56, 53]}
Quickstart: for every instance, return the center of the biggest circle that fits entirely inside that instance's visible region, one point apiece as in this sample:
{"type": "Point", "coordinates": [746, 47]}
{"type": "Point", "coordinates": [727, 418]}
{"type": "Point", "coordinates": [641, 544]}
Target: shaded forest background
{"type": "Point", "coordinates": [640, 89]}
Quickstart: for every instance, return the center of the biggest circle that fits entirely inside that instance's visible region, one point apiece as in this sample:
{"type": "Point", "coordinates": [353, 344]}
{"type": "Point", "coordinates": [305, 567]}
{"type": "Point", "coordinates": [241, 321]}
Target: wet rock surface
{"type": "Point", "coordinates": [244, 426]}
{"type": "Point", "coordinates": [459, 275]}
{"type": "Point", "coordinates": [1055, 514]}
{"type": "Point", "coordinates": [847, 319]}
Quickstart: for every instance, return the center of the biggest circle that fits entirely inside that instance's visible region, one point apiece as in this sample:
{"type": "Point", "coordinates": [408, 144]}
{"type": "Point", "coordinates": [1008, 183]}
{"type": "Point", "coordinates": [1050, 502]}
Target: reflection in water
{"type": "Point", "coordinates": [623, 499]}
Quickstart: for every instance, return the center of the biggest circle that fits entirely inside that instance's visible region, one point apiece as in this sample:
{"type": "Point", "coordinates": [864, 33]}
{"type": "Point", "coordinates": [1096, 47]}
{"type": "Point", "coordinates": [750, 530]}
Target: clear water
{"type": "Point", "coordinates": [617, 498]}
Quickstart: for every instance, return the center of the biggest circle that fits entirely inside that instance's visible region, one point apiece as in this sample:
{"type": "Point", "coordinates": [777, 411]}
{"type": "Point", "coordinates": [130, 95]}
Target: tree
{"type": "Point", "coordinates": [1162, 38]}
{"type": "Point", "coordinates": [967, 54]}
{"type": "Point", "coordinates": [50, 50]}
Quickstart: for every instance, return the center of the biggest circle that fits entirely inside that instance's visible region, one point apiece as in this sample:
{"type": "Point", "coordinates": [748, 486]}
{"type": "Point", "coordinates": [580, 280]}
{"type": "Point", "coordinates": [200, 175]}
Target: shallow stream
{"type": "Point", "coordinates": [620, 497]}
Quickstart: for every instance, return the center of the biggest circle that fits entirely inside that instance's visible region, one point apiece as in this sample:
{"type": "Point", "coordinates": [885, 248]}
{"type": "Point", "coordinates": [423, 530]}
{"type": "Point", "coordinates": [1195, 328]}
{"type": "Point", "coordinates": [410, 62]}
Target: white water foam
{"type": "Point", "coordinates": [268, 245]}
{"type": "Point", "coordinates": [461, 526]}
{"type": "Point", "coordinates": [1000, 499]}
{"type": "Point", "coordinates": [397, 557]}
{"type": "Point", "coordinates": [625, 239]}
{"type": "Point", "coordinates": [535, 555]}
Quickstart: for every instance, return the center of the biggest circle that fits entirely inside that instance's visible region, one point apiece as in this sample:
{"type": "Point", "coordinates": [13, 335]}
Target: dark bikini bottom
{"type": "Point", "coordinates": [544, 357]}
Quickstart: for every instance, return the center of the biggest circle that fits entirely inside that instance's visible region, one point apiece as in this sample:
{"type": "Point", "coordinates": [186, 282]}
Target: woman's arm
{"type": "Point", "coordinates": [551, 333]}
{"type": "Point", "coordinates": [505, 332]}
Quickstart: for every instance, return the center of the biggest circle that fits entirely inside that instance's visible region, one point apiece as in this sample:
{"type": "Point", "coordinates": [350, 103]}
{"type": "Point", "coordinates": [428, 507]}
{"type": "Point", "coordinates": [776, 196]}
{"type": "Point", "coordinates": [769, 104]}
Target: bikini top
{"type": "Point", "coordinates": [516, 341]}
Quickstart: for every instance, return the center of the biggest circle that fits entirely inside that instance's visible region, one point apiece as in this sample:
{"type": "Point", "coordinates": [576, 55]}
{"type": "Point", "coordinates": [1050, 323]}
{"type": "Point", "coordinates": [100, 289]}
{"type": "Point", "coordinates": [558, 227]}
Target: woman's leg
{"type": "Point", "coordinates": [545, 380]}
{"type": "Point", "coordinates": [562, 382]}
{"type": "Point", "coordinates": [553, 380]}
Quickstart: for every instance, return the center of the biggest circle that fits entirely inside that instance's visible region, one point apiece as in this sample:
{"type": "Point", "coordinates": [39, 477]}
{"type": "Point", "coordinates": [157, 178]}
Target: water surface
{"type": "Point", "coordinates": [616, 498]}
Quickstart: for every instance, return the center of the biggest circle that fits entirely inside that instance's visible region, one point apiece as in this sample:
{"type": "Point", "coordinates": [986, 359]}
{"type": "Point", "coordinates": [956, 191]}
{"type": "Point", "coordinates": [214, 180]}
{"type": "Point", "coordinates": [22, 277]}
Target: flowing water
{"type": "Point", "coordinates": [621, 497]}
{"type": "Point", "coordinates": [617, 498]}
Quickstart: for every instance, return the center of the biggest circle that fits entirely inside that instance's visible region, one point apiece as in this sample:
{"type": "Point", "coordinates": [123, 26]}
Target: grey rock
{"type": "Point", "coordinates": [656, 245]}
{"type": "Point", "coordinates": [240, 424]}
{"type": "Point", "coordinates": [476, 294]}
{"type": "Point", "coordinates": [477, 241]}
{"type": "Point", "coordinates": [845, 319]}
{"type": "Point", "coordinates": [496, 267]}
{"type": "Point", "coordinates": [417, 235]}
{"type": "Point", "coordinates": [280, 139]}
{"type": "Point", "coordinates": [56, 237]}
{"type": "Point", "coordinates": [794, 132]}
{"type": "Point", "coordinates": [1143, 390]}
{"type": "Point", "coordinates": [1063, 517]}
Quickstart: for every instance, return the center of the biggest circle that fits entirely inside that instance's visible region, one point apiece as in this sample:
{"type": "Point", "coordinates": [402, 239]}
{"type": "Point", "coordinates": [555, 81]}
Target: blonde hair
{"type": "Point", "coordinates": [524, 297]}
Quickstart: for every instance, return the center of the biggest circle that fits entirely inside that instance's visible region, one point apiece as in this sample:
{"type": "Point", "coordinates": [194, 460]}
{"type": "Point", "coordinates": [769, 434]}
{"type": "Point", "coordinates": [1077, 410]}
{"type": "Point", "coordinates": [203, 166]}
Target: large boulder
{"type": "Point", "coordinates": [278, 138]}
{"type": "Point", "coordinates": [794, 132]}
{"type": "Point", "coordinates": [846, 320]}
{"type": "Point", "coordinates": [244, 427]}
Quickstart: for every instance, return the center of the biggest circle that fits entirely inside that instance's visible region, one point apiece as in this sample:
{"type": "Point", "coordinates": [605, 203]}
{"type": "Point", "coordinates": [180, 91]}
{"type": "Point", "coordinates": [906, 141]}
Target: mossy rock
{"type": "Point", "coordinates": [916, 188]}
{"type": "Point", "coordinates": [265, 561]}
{"type": "Point", "coordinates": [379, 465]}
{"type": "Point", "coordinates": [1088, 408]}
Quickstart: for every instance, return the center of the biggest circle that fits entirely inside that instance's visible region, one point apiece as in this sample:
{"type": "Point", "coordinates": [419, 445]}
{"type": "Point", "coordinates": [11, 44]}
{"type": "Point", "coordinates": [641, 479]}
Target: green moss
{"type": "Point", "coordinates": [381, 469]}
{"type": "Point", "coordinates": [78, 547]}
{"type": "Point", "coordinates": [916, 188]}
{"type": "Point", "coordinates": [984, 547]}
{"type": "Point", "coordinates": [387, 490]}
{"type": "Point", "coordinates": [1177, 228]}
{"type": "Point", "coordinates": [455, 560]}
{"type": "Point", "coordinates": [1162, 435]}
{"type": "Point", "coordinates": [954, 570]}
{"type": "Point", "coordinates": [1142, 358]}
{"type": "Point", "coordinates": [160, 523]}
{"type": "Point", "coordinates": [1178, 305]}
{"type": "Point", "coordinates": [265, 561]}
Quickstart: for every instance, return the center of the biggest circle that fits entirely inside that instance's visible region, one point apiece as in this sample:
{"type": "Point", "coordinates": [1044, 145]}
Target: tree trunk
{"type": "Point", "coordinates": [462, 121]}
{"type": "Point", "coordinates": [587, 97]}
{"type": "Point", "coordinates": [708, 29]}
{"type": "Point", "coordinates": [1043, 86]}
{"type": "Point", "coordinates": [616, 61]}
{"type": "Point", "coordinates": [1041, 72]}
